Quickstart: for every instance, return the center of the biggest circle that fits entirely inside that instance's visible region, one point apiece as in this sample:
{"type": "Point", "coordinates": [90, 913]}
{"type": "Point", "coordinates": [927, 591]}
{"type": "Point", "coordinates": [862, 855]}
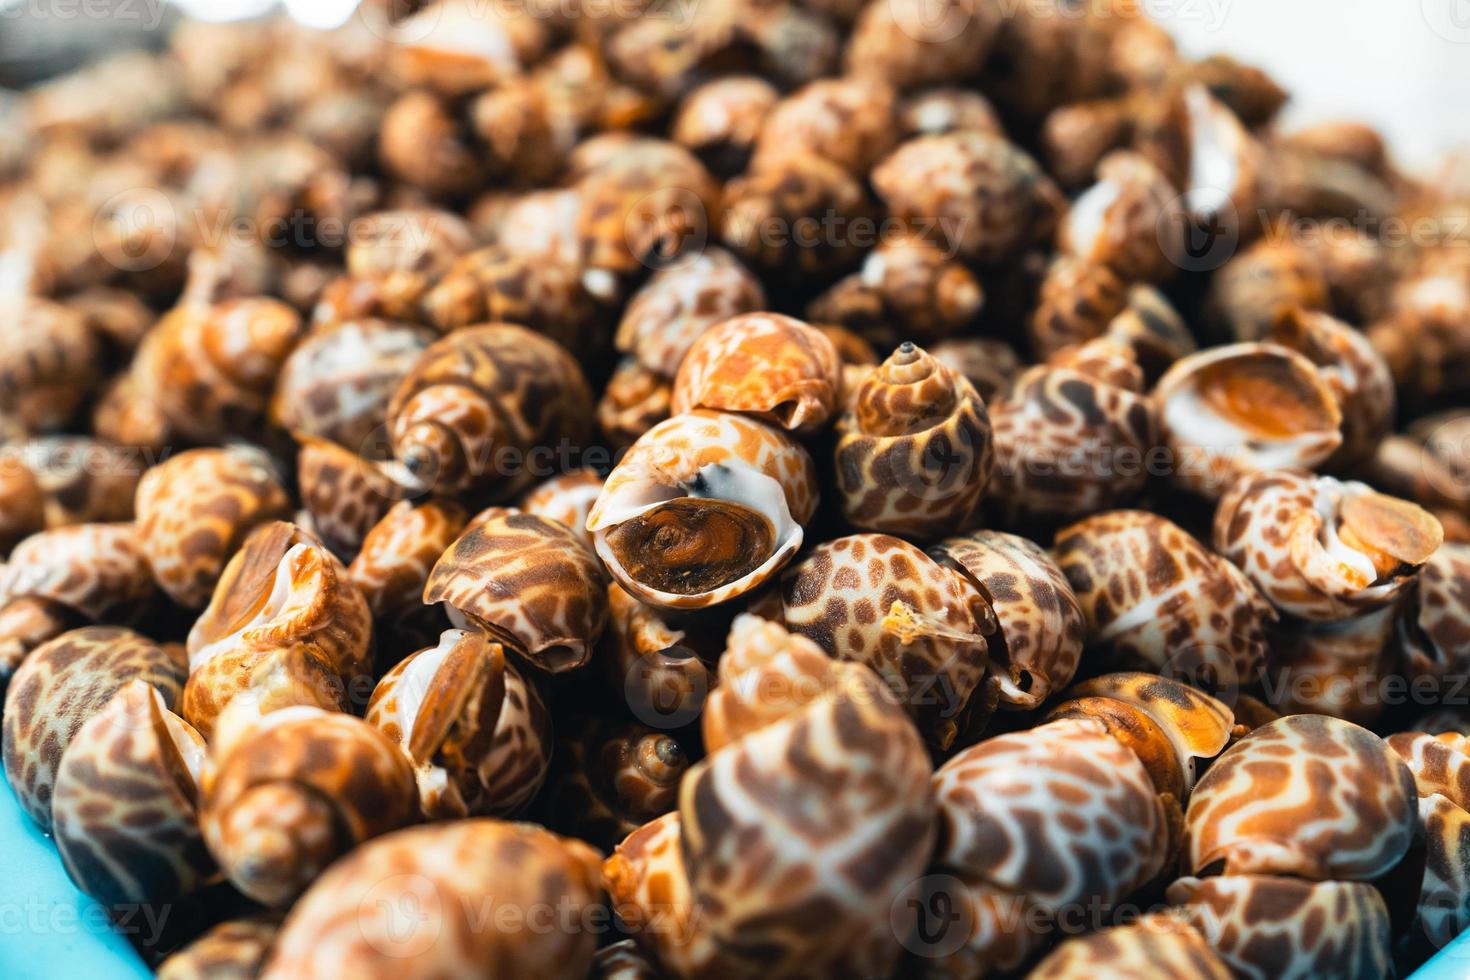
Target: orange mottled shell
{"type": "Point", "coordinates": [343, 494]}
{"type": "Point", "coordinates": [49, 362]}
{"type": "Point", "coordinates": [394, 562]}
{"type": "Point", "coordinates": [499, 284]}
{"type": "Point", "coordinates": [849, 121]}
{"type": "Point", "coordinates": [1155, 944]}
{"type": "Point", "coordinates": [530, 581]}
{"type": "Point", "coordinates": [233, 950]}
{"type": "Point", "coordinates": [679, 303]}
{"type": "Point", "coordinates": [1127, 221]}
{"type": "Point", "coordinates": [97, 570]}
{"type": "Point", "coordinates": [801, 191]}
{"type": "Point", "coordinates": [194, 511]}
{"type": "Point", "coordinates": [1077, 302]}
{"type": "Point", "coordinates": [395, 256]}
{"type": "Point", "coordinates": [481, 394]}
{"type": "Point", "coordinates": [914, 449]}
{"type": "Point", "coordinates": [660, 662]}
{"type": "Point", "coordinates": [566, 499]}
{"type": "Point", "coordinates": [1307, 796]}
{"type": "Point", "coordinates": [298, 790]}
{"type": "Point", "coordinates": [634, 401]}
{"type": "Point", "coordinates": [611, 778]}
{"type": "Point", "coordinates": [286, 624]}
{"type": "Point", "coordinates": [124, 809]}
{"type": "Point", "coordinates": [83, 480]}
{"type": "Point", "coordinates": [348, 922]}
{"type": "Point", "coordinates": [909, 45]}
{"type": "Point", "coordinates": [720, 120]}
{"type": "Point", "coordinates": [60, 686]}
{"type": "Point", "coordinates": [771, 366]}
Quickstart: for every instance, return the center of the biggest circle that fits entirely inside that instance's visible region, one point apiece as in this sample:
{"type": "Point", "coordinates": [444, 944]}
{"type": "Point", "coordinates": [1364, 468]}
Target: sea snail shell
{"type": "Point", "coordinates": [704, 508]}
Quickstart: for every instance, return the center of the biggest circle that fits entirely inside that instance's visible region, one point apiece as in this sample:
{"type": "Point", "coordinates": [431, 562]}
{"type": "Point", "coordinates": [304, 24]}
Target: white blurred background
{"type": "Point", "coordinates": [1401, 65]}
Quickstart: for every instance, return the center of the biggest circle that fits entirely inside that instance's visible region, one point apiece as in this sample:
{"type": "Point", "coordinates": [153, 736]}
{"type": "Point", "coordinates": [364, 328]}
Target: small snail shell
{"type": "Point", "coordinates": [527, 581]}
{"type": "Point", "coordinates": [886, 42]}
{"type": "Point", "coordinates": [612, 778]}
{"type": "Point", "coordinates": [907, 289]}
{"type": "Point", "coordinates": [660, 660]}
{"type": "Point", "coordinates": [668, 314]}
{"type": "Point", "coordinates": [1157, 944]}
{"type": "Point", "coordinates": [294, 790]}
{"type": "Point", "coordinates": [396, 256]}
{"type": "Point", "coordinates": [1009, 845]}
{"type": "Point", "coordinates": [847, 120]}
{"type": "Point", "coordinates": [921, 626]}
{"type": "Point", "coordinates": [1037, 643]}
{"type": "Point", "coordinates": [393, 566]}
{"type": "Point", "coordinates": [1432, 632]}
{"type": "Point", "coordinates": [1357, 374]}
{"type": "Point", "coordinates": [26, 623]}
{"type": "Point", "coordinates": [1153, 330]}
{"type": "Point", "coordinates": [647, 202]}
{"type": "Point", "coordinates": [210, 370]}
{"type": "Point", "coordinates": [1068, 444]}
{"type": "Point", "coordinates": [349, 922]}
{"type": "Point", "coordinates": [1244, 408]}
{"type": "Point", "coordinates": [482, 391]}
{"type": "Point", "coordinates": [1193, 612]}
{"type": "Point", "coordinates": [124, 807]}
{"type": "Point", "coordinates": [286, 626]}
{"type": "Point", "coordinates": [1104, 358]}
{"type": "Point", "coordinates": [1264, 927]}
{"type": "Point", "coordinates": [1224, 160]}
{"type": "Point", "coordinates": [1322, 549]}
{"type": "Point", "coordinates": [703, 508]}
{"type": "Point", "coordinates": [566, 499]}
{"type": "Point", "coordinates": [991, 366]}
{"type": "Point", "coordinates": [1442, 773]}
{"type": "Point", "coordinates": [1269, 280]}
{"type": "Point", "coordinates": [720, 120]}
{"type": "Point", "coordinates": [233, 950]}
{"type": "Point", "coordinates": [194, 511]}
{"type": "Point", "coordinates": [49, 364]}
{"type": "Point", "coordinates": [61, 685]}
{"type": "Point", "coordinates": [773, 367]}
{"type": "Point", "coordinates": [800, 191]}
{"type": "Point", "coordinates": [1336, 667]}
{"type": "Point", "coordinates": [1124, 220]}
{"type": "Point", "coordinates": [498, 284]}
{"type": "Point", "coordinates": [83, 480]}
{"type": "Point", "coordinates": [996, 198]}
{"type": "Point", "coordinates": [477, 735]}
{"type": "Point", "coordinates": [337, 382]}
{"type": "Point", "coordinates": [22, 501]}
{"type": "Point", "coordinates": [624, 961]}
{"type": "Point", "coordinates": [422, 143]}
{"type": "Point", "coordinates": [343, 494]}
{"type": "Point", "coordinates": [634, 401]}
{"type": "Point", "coordinates": [729, 830]}
{"type": "Point", "coordinates": [914, 449]}
{"type": "Point", "coordinates": [1306, 796]}
{"type": "Point", "coordinates": [1077, 301]}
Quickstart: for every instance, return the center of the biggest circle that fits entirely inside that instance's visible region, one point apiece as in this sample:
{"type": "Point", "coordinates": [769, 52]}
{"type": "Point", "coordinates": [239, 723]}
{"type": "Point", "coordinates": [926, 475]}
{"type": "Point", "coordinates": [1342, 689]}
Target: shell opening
{"type": "Point", "coordinates": [693, 545]}
{"type": "Point", "coordinates": [257, 610]}
{"type": "Point", "coordinates": [1392, 533]}
{"type": "Point", "coordinates": [1214, 154]}
{"type": "Point", "coordinates": [1086, 220]}
{"type": "Point", "coordinates": [416, 680]}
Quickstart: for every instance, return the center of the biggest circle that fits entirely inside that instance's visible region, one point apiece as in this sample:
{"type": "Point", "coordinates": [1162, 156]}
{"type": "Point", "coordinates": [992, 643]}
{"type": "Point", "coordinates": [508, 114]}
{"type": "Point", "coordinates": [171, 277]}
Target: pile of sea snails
{"type": "Point", "coordinates": [750, 489]}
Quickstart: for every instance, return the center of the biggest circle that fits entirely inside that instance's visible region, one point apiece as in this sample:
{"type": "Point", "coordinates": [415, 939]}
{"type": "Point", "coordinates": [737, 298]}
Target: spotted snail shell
{"type": "Point", "coordinates": [1194, 615]}
{"type": "Point", "coordinates": [497, 284]}
{"type": "Point", "coordinates": [481, 393]}
{"type": "Point", "coordinates": [350, 919]}
{"type": "Point", "coordinates": [1157, 944]}
{"type": "Point", "coordinates": [1125, 221]}
{"type": "Point", "coordinates": [928, 642]}
{"type": "Point", "coordinates": [832, 916]}
{"type": "Point", "coordinates": [1011, 856]}
{"type": "Point", "coordinates": [343, 494]}
{"type": "Point", "coordinates": [566, 499]}
{"type": "Point", "coordinates": [913, 451]}
{"type": "Point", "coordinates": [1441, 768]}
{"type": "Point", "coordinates": [292, 790]}
{"type": "Point", "coordinates": [612, 777]}
{"type": "Point", "coordinates": [49, 363]}
{"type": "Point", "coordinates": [1432, 631]}
{"type": "Point", "coordinates": [660, 659]}
{"type": "Point", "coordinates": [62, 685]}
{"type": "Point", "coordinates": [1333, 667]}
{"type": "Point", "coordinates": [232, 950]}
{"type": "Point", "coordinates": [847, 120]}
{"type": "Point", "coordinates": [1244, 408]}
{"type": "Point", "coordinates": [124, 810]}
{"type": "Point", "coordinates": [679, 303]}
{"type": "Point", "coordinates": [393, 259]}
{"type": "Point", "coordinates": [286, 626]}
{"type": "Point", "coordinates": [194, 511]}
{"type": "Point", "coordinates": [393, 565]}
{"type": "Point", "coordinates": [527, 581]}
{"type": "Point", "coordinates": [703, 508]}
{"type": "Point", "coordinates": [82, 480]}
{"type": "Point", "coordinates": [22, 501]}
{"type": "Point", "coordinates": [634, 401]}
{"type": "Point", "coordinates": [476, 733]}
{"type": "Point", "coordinates": [1322, 549]}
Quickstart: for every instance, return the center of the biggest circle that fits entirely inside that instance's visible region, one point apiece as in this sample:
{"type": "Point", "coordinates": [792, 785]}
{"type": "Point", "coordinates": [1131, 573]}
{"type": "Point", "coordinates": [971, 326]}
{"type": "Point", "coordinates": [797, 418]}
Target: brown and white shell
{"type": "Point", "coordinates": [393, 258]}
{"type": "Point", "coordinates": [529, 582]}
{"type": "Point", "coordinates": [476, 733]}
{"type": "Point", "coordinates": [49, 365]}
{"type": "Point", "coordinates": [1338, 667]}
{"type": "Point", "coordinates": [478, 402]}
{"type": "Point", "coordinates": [392, 567]}
{"type": "Point", "coordinates": [125, 807]}
{"type": "Point", "coordinates": [634, 401]}
{"type": "Point", "coordinates": [921, 626]}
{"type": "Point", "coordinates": [503, 285]}
{"type": "Point", "coordinates": [62, 685]}
{"type": "Point", "coordinates": [1442, 773]}
{"type": "Point", "coordinates": [1270, 280]}
{"type": "Point", "coordinates": [720, 120]}
{"type": "Point", "coordinates": [445, 875]}
{"type": "Point", "coordinates": [847, 120]}
{"type": "Point", "coordinates": [1230, 411]}
{"type": "Point", "coordinates": [770, 366]}
{"type": "Point", "coordinates": [1037, 644]}
{"type": "Point", "coordinates": [290, 791]}
{"type": "Point", "coordinates": [1155, 944]}
{"type": "Point", "coordinates": [232, 950]}
{"type": "Point", "coordinates": [612, 777]}
{"type": "Point", "coordinates": [286, 626]}
{"type": "Point", "coordinates": [566, 499]}
{"type": "Point", "coordinates": [194, 511]}
{"type": "Point", "coordinates": [1076, 302]}
{"type": "Point", "coordinates": [1155, 597]}
{"type": "Point", "coordinates": [1320, 548]}
{"type": "Point", "coordinates": [909, 45]}
{"type": "Point", "coordinates": [703, 508]}
{"type": "Point", "coordinates": [1306, 796]}
{"type": "Point", "coordinates": [772, 215]}
{"type": "Point", "coordinates": [660, 658]}
{"type": "Point", "coordinates": [914, 450]}
{"type": "Point", "coordinates": [1432, 631]}
{"type": "Point", "coordinates": [1126, 220]}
